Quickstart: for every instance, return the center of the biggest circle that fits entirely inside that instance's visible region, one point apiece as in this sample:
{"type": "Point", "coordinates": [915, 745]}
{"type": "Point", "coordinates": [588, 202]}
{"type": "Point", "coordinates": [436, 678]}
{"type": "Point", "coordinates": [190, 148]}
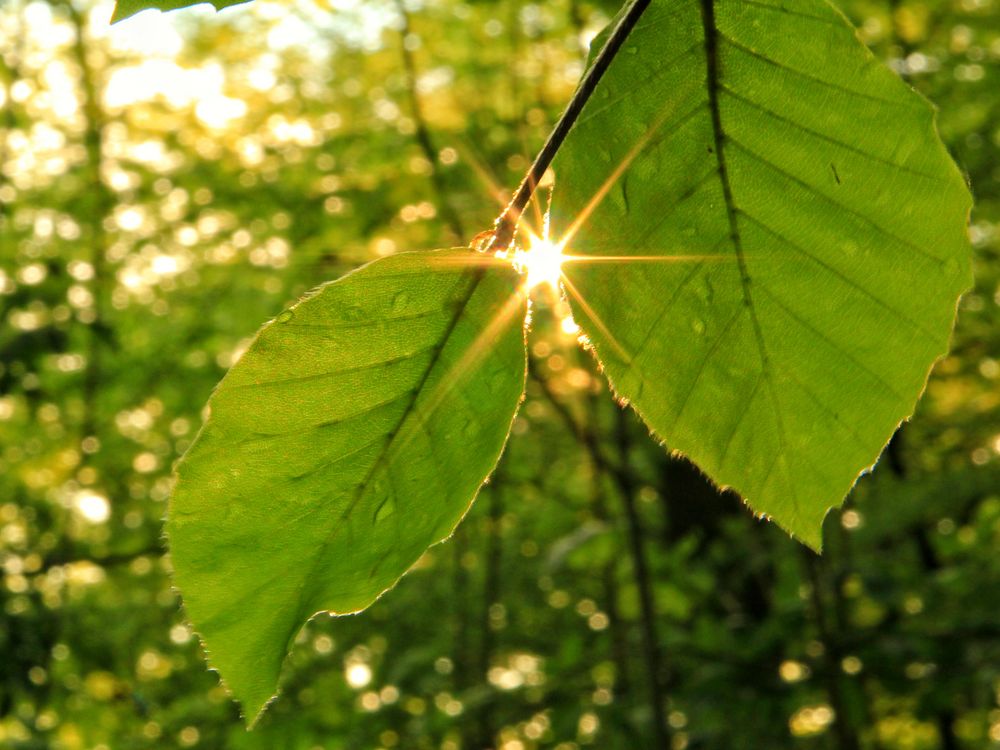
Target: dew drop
{"type": "Point", "coordinates": [705, 290]}
{"type": "Point", "coordinates": [353, 314]}
{"type": "Point", "coordinates": [386, 509]}
{"type": "Point", "coordinates": [399, 301]}
{"type": "Point", "coordinates": [698, 326]}
{"type": "Point", "coordinates": [286, 316]}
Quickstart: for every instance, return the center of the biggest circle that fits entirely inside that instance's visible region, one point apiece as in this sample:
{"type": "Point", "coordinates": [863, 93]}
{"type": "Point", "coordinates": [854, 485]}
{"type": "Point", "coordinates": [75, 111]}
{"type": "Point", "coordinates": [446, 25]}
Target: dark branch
{"type": "Point", "coordinates": [506, 225]}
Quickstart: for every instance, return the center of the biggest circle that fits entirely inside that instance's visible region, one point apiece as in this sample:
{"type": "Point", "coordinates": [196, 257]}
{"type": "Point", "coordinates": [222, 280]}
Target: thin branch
{"type": "Point", "coordinates": [9, 74]}
{"type": "Point", "coordinates": [103, 203]}
{"type": "Point", "coordinates": [460, 610]}
{"type": "Point", "coordinates": [843, 727]}
{"type": "Point", "coordinates": [421, 131]}
{"type": "Point", "coordinates": [625, 483]}
{"type": "Point", "coordinates": [485, 721]}
{"type": "Point", "coordinates": [609, 575]}
{"type": "Point", "coordinates": [652, 654]}
{"type": "Point", "coordinates": [601, 462]}
{"type": "Point", "coordinates": [506, 225]}
{"type": "Point", "coordinates": [108, 560]}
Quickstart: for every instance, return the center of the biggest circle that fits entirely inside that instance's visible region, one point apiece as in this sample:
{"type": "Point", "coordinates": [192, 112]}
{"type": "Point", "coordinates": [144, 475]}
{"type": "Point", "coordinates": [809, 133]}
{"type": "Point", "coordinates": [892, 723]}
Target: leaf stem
{"type": "Point", "coordinates": [506, 224]}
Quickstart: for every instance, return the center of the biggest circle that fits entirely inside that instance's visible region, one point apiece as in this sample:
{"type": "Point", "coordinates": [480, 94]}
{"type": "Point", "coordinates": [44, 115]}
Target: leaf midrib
{"type": "Point", "coordinates": [714, 85]}
{"type": "Point", "coordinates": [478, 275]}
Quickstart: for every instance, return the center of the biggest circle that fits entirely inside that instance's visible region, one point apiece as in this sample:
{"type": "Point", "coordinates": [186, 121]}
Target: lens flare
{"type": "Point", "coordinates": [540, 262]}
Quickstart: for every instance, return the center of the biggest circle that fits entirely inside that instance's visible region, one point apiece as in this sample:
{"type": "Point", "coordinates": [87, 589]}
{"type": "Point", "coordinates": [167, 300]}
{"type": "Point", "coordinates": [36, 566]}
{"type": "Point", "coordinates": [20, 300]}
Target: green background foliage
{"type": "Point", "coordinates": [148, 228]}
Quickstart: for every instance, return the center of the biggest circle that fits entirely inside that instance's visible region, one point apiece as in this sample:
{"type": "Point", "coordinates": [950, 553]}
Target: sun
{"type": "Point", "coordinates": [541, 261]}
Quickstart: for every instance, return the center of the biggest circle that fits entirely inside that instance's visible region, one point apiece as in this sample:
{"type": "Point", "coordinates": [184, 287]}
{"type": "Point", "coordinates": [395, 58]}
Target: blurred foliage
{"type": "Point", "coordinates": [169, 183]}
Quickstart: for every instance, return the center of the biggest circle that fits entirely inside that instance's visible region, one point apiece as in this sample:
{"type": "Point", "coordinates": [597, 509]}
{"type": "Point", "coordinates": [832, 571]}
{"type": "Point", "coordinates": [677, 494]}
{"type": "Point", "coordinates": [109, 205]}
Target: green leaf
{"type": "Point", "coordinates": [354, 433]}
{"type": "Point", "coordinates": [126, 8]}
{"type": "Point", "coordinates": [797, 242]}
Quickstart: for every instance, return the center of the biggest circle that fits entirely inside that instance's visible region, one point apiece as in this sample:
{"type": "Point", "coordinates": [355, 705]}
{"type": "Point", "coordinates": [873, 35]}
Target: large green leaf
{"type": "Point", "coordinates": [817, 228]}
{"type": "Point", "coordinates": [353, 434]}
{"type": "Point", "coordinates": [126, 8]}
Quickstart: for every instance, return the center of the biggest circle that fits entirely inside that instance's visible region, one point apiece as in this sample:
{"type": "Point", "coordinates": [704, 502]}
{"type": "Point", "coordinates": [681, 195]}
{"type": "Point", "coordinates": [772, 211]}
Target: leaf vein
{"type": "Point", "coordinates": [838, 348]}
{"type": "Point", "coordinates": [813, 190]}
{"type": "Point", "coordinates": [714, 75]}
{"type": "Point", "coordinates": [342, 371]}
{"type": "Point", "coordinates": [829, 139]}
{"type": "Point", "coordinates": [839, 274]}
{"type": "Point", "coordinates": [809, 76]}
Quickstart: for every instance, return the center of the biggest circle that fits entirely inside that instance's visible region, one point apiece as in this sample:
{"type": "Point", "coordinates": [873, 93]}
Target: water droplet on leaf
{"type": "Point", "coordinates": [353, 314]}
{"type": "Point", "coordinates": [399, 301]}
{"type": "Point", "coordinates": [386, 509]}
{"type": "Point", "coordinates": [705, 290]}
{"type": "Point", "coordinates": [286, 316]}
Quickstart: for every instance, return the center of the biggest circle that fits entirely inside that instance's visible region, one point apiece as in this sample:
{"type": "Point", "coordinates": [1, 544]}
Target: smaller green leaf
{"type": "Point", "coordinates": [352, 435]}
{"type": "Point", "coordinates": [126, 8]}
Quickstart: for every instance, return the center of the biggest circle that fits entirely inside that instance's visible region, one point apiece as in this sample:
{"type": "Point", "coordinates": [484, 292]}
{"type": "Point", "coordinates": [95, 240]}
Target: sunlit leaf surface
{"type": "Point", "coordinates": [824, 227]}
{"type": "Point", "coordinates": [353, 434]}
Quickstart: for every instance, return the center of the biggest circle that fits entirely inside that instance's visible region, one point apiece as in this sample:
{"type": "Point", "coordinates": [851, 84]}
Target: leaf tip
{"type": "Point", "coordinates": [120, 14]}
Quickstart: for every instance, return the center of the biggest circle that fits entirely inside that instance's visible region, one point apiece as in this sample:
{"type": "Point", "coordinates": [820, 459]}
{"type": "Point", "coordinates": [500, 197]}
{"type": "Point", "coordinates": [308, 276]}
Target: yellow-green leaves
{"type": "Point", "coordinates": [798, 241]}
{"type": "Point", "coordinates": [126, 8]}
{"type": "Point", "coordinates": [353, 434]}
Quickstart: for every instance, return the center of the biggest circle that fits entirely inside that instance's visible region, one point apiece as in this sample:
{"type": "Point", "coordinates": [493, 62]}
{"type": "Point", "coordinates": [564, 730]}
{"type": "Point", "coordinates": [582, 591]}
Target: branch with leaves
{"type": "Point", "coordinates": [749, 206]}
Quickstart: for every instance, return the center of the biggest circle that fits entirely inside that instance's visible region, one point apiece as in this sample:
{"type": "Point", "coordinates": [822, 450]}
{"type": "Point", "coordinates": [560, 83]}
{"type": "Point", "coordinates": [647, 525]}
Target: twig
{"type": "Point", "coordinates": [422, 132]}
{"type": "Point", "coordinates": [103, 202]}
{"type": "Point", "coordinates": [626, 486]}
{"type": "Point", "coordinates": [485, 721]}
{"type": "Point", "coordinates": [843, 726]}
{"type": "Point", "coordinates": [583, 434]}
{"type": "Point", "coordinates": [652, 655]}
{"type": "Point", "coordinates": [506, 225]}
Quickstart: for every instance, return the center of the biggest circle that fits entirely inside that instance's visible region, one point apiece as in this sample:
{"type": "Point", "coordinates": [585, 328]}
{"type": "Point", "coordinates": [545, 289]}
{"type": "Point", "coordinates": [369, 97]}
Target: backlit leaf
{"type": "Point", "coordinates": [796, 242]}
{"type": "Point", "coordinates": [353, 434]}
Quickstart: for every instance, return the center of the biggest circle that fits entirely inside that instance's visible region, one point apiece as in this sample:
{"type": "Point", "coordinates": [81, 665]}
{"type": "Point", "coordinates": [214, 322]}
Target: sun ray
{"type": "Point", "coordinates": [470, 260]}
{"type": "Point", "coordinates": [638, 147]}
{"type": "Point", "coordinates": [595, 318]}
{"type": "Point", "coordinates": [541, 213]}
{"type": "Point", "coordinates": [539, 259]}
{"type": "Point", "coordinates": [626, 259]}
{"type": "Point", "coordinates": [482, 172]}
{"type": "Point", "coordinates": [486, 177]}
{"type": "Point", "coordinates": [424, 409]}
